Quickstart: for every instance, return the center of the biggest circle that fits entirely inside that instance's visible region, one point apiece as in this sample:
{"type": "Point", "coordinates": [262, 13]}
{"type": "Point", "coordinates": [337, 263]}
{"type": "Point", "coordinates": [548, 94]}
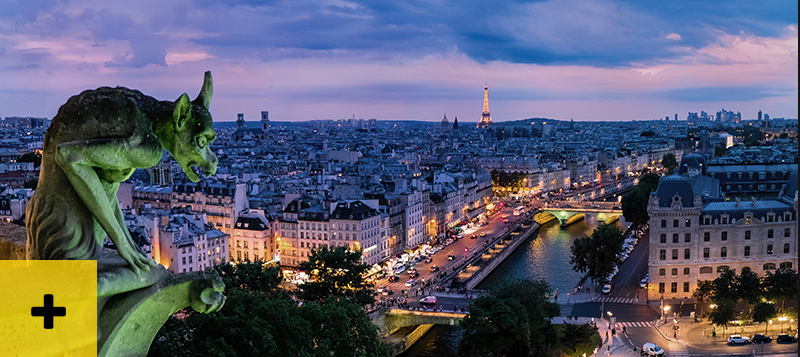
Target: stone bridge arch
{"type": "Point", "coordinates": [391, 320]}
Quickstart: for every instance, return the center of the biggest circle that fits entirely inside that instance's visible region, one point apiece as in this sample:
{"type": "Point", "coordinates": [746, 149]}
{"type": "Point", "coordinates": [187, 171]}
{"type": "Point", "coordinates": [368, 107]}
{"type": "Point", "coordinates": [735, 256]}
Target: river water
{"type": "Point", "coordinates": [544, 256]}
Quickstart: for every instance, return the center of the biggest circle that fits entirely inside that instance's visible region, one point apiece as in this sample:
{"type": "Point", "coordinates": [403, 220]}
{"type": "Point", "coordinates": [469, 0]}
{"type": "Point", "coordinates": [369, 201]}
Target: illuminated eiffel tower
{"type": "Point", "coordinates": [486, 119]}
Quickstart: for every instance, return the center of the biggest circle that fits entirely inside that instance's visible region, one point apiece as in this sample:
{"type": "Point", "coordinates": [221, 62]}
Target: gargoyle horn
{"type": "Point", "coordinates": [207, 91]}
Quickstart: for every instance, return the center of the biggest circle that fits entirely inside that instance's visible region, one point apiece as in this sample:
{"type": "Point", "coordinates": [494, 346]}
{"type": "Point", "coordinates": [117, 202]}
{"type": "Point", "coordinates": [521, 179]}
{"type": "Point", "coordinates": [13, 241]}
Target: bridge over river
{"type": "Point", "coordinates": [570, 212]}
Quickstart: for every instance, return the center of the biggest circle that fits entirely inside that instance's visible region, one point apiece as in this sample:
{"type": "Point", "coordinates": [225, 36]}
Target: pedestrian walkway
{"type": "Point", "coordinates": [617, 300]}
{"type": "Point", "coordinates": [677, 349]}
{"type": "Point", "coordinates": [627, 324]}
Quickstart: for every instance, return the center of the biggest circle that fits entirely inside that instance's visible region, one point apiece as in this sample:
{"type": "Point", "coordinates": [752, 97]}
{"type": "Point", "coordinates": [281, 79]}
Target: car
{"type": "Point", "coordinates": [434, 268]}
{"type": "Point", "coordinates": [387, 292]}
{"type": "Point", "coordinates": [413, 275]}
{"type": "Point", "coordinates": [451, 257]}
{"type": "Point", "coordinates": [643, 283]}
{"type": "Point", "coordinates": [483, 234]}
{"type": "Point", "coordinates": [428, 260]}
{"type": "Point", "coordinates": [738, 340]}
{"type": "Point", "coordinates": [505, 221]}
{"type": "Point", "coordinates": [759, 338]}
{"type": "Point", "coordinates": [651, 349]}
{"type": "Point", "coordinates": [473, 236]}
{"type": "Point", "coordinates": [411, 271]}
{"type": "Point", "coordinates": [399, 270]}
{"type": "Point", "coordinates": [606, 288]}
{"type": "Point", "coordinates": [393, 278]}
{"type": "Point", "coordinates": [785, 338]}
{"type": "Point", "coordinates": [428, 300]}
{"type": "Point", "coordinates": [411, 282]}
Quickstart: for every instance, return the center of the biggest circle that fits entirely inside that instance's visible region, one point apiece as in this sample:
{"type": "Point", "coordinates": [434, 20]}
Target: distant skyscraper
{"type": "Point", "coordinates": [265, 121]}
{"type": "Point", "coordinates": [759, 114]}
{"type": "Point", "coordinates": [455, 124]}
{"type": "Point", "coordinates": [676, 116]}
{"type": "Point", "coordinates": [445, 123]}
{"type": "Point", "coordinates": [240, 121]}
{"type": "Point", "coordinates": [486, 119]}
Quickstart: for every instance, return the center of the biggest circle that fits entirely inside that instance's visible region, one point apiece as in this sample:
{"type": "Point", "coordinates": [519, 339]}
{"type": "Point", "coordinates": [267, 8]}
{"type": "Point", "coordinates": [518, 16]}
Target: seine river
{"type": "Point", "coordinates": [544, 256]}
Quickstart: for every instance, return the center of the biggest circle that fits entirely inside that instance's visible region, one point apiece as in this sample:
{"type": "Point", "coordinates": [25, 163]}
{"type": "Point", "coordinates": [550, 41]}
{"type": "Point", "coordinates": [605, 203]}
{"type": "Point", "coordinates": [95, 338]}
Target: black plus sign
{"type": "Point", "coordinates": [48, 311]}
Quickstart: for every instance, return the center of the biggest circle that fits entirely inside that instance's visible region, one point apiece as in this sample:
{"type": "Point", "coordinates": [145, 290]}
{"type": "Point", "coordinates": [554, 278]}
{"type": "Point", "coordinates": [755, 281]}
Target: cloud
{"type": "Point", "coordinates": [674, 36]}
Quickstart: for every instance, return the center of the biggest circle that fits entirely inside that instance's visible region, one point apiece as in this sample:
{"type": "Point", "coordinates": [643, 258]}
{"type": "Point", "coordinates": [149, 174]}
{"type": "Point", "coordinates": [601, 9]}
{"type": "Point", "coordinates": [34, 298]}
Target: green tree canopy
{"type": "Point", "coordinates": [725, 289]}
{"type": "Point", "coordinates": [495, 327]}
{"type": "Point", "coordinates": [722, 314]}
{"type": "Point", "coordinates": [669, 162]}
{"type": "Point", "coordinates": [781, 285]}
{"type": "Point", "coordinates": [719, 151]}
{"type": "Point", "coordinates": [763, 312]}
{"type": "Point", "coordinates": [748, 287]}
{"type": "Point", "coordinates": [634, 204]}
{"type": "Point", "coordinates": [534, 296]}
{"type": "Point", "coordinates": [599, 253]}
{"type": "Point", "coordinates": [578, 336]}
{"type": "Point", "coordinates": [34, 157]}
{"type": "Point", "coordinates": [254, 276]}
{"type": "Point", "coordinates": [648, 133]}
{"type": "Point", "coordinates": [336, 273]}
{"type": "Point", "coordinates": [703, 293]}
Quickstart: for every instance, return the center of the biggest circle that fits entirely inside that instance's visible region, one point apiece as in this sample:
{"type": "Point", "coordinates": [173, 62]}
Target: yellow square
{"type": "Point", "coordinates": [23, 286]}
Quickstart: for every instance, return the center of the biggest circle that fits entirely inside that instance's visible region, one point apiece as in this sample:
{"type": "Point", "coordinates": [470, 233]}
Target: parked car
{"type": "Point", "coordinates": [428, 300]}
{"type": "Point", "coordinates": [483, 234]}
{"type": "Point", "coordinates": [451, 257]}
{"type": "Point", "coordinates": [738, 340]}
{"type": "Point", "coordinates": [651, 349]}
{"type": "Point", "coordinates": [643, 283]}
{"type": "Point", "coordinates": [434, 268]}
{"type": "Point", "coordinates": [411, 282]}
{"type": "Point", "coordinates": [759, 338]}
{"type": "Point", "coordinates": [606, 288]}
{"type": "Point", "coordinates": [785, 338]}
{"type": "Point", "coordinates": [387, 292]}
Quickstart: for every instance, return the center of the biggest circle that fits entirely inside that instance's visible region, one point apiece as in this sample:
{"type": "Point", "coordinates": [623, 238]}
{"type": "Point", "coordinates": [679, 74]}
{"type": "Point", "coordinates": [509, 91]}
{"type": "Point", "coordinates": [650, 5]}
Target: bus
{"type": "Point", "coordinates": [517, 210]}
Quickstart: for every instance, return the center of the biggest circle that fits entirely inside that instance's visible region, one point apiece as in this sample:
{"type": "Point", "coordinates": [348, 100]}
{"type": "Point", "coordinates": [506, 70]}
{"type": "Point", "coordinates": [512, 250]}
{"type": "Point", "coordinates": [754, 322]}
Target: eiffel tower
{"type": "Point", "coordinates": [486, 119]}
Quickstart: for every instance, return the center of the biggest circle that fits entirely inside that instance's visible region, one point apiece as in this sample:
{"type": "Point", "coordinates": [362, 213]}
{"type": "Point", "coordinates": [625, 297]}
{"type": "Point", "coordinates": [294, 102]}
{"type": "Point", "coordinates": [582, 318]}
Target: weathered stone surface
{"type": "Point", "coordinates": [12, 241]}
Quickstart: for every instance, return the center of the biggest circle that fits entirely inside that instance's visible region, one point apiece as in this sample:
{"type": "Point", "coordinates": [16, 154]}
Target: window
{"type": "Point", "coordinates": [674, 271]}
{"type": "Point", "coordinates": [687, 237]}
{"type": "Point", "coordinates": [723, 252]}
{"type": "Point", "coordinates": [706, 253]}
{"type": "Point", "coordinates": [662, 254]}
{"type": "Point", "coordinates": [675, 223]}
{"type": "Point", "coordinates": [686, 286]}
{"type": "Point", "coordinates": [724, 236]}
{"type": "Point", "coordinates": [663, 223]}
{"type": "Point", "coordinates": [706, 270]}
{"type": "Point", "coordinates": [747, 251]}
{"type": "Point", "coordinates": [673, 287]}
{"type": "Point", "coordinates": [786, 248]}
{"type": "Point", "coordinates": [746, 234]}
{"type": "Point", "coordinates": [674, 237]}
{"type": "Point", "coordinates": [769, 248]}
{"type": "Point", "coordinates": [662, 272]}
{"type": "Point", "coordinates": [707, 220]}
{"type": "Point", "coordinates": [770, 233]}
{"type": "Point", "coordinates": [724, 220]}
{"type": "Point", "coordinates": [687, 253]}
{"type": "Point", "coordinates": [769, 266]}
{"type": "Point", "coordinates": [663, 237]}
{"type": "Point", "coordinates": [723, 268]}
{"type": "Point", "coordinates": [786, 265]}
{"type": "Point", "coordinates": [688, 222]}
{"type": "Point", "coordinates": [706, 236]}
{"type": "Point", "coordinates": [674, 254]}
{"type": "Point", "coordinates": [787, 232]}
{"type": "Point", "coordinates": [661, 288]}
{"type": "Point", "coordinates": [685, 271]}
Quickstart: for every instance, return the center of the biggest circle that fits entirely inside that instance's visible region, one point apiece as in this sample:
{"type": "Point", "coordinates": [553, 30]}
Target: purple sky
{"type": "Point", "coordinates": [301, 59]}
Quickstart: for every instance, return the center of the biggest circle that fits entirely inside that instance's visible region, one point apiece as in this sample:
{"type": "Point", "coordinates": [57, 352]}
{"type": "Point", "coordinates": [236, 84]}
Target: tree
{"type": "Point", "coordinates": [763, 312]}
{"type": "Point", "coordinates": [783, 136]}
{"type": "Point", "coordinates": [781, 285]}
{"type": "Point", "coordinates": [32, 183]}
{"type": "Point", "coordinates": [722, 314]}
{"type": "Point", "coordinates": [725, 290]}
{"type": "Point", "coordinates": [719, 151]}
{"type": "Point", "coordinates": [669, 162]}
{"type": "Point", "coordinates": [254, 276]}
{"type": "Point", "coordinates": [34, 157]}
{"type": "Point", "coordinates": [598, 254]}
{"type": "Point", "coordinates": [648, 133]}
{"type": "Point", "coordinates": [336, 273]}
{"type": "Point", "coordinates": [634, 204]}
{"type": "Point", "coordinates": [748, 287]}
{"type": "Point", "coordinates": [578, 336]}
{"type": "Point", "coordinates": [534, 296]}
{"type": "Point", "coordinates": [495, 327]}
{"type": "Point", "coordinates": [702, 293]}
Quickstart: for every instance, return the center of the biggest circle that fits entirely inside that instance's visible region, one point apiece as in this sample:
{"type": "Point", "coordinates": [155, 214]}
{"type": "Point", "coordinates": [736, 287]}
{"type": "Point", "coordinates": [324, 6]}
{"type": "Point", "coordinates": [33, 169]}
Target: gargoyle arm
{"type": "Point", "coordinates": [78, 160]}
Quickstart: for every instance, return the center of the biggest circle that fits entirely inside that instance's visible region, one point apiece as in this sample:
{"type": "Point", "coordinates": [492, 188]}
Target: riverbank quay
{"type": "Point", "coordinates": [483, 262]}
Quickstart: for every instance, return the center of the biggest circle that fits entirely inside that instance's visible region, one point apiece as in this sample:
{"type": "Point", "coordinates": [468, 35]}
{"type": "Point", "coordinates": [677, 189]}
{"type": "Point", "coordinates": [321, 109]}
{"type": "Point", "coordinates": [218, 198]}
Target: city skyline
{"type": "Point", "coordinates": [304, 60]}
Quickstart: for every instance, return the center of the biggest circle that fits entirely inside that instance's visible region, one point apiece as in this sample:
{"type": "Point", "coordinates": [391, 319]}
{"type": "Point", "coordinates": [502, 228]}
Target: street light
{"type": "Point", "coordinates": [666, 308]}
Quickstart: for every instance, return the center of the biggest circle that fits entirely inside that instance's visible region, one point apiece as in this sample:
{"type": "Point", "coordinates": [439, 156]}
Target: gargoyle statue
{"type": "Point", "coordinates": [97, 139]}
